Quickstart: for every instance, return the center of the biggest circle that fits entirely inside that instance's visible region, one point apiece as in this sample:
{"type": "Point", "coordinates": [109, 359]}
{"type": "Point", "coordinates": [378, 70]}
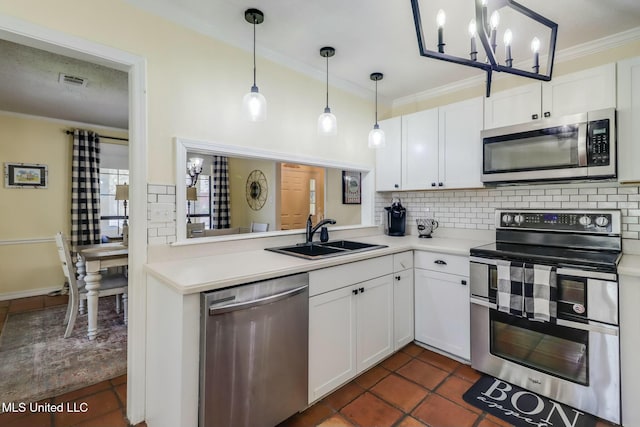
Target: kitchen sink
{"type": "Point", "coordinates": [325, 250]}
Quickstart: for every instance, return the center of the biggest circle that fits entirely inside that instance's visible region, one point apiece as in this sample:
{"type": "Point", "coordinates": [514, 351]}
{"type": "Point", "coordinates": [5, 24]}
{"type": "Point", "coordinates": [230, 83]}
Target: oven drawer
{"type": "Point", "coordinates": [445, 263]}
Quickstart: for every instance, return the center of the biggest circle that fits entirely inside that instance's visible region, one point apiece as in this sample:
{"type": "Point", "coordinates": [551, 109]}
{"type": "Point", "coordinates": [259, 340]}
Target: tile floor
{"type": "Point", "coordinates": [414, 387]}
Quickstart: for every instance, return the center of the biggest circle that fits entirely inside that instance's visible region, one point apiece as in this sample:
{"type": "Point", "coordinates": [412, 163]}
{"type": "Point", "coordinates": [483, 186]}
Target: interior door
{"type": "Point", "coordinates": [301, 194]}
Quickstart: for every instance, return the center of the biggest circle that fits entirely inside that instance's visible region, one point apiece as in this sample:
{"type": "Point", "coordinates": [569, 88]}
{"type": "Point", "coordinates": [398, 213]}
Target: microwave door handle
{"type": "Point", "coordinates": [582, 144]}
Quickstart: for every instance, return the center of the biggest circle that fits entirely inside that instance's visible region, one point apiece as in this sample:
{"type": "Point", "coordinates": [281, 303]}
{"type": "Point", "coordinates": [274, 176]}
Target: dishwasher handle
{"type": "Point", "coordinates": [256, 302]}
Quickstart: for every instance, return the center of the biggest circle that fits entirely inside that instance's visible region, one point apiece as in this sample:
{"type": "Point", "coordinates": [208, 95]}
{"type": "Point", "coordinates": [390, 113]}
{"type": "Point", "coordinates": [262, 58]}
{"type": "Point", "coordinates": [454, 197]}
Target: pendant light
{"type": "Point", "coordinates": [327, 123]}
{"type": "Point", "coordinates": [376, 135]}
{"type": "Point", "coordinates": [254, 104]}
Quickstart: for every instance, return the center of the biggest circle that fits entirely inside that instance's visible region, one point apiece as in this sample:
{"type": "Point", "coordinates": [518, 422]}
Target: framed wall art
{"type": "Point", "coordinates": [351, 188]}
{"type": "Point", "coordinates": [25, 175]}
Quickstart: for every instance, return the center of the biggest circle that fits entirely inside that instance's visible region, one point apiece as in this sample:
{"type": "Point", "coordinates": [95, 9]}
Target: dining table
{"type": "Point", "coordinates": [91, 260]}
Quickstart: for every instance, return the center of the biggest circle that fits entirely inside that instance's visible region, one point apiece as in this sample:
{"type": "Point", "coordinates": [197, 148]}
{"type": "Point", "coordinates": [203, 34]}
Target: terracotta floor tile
{"type": "Point", "coordinates": [142, 424]}
{"type": "Point", "coordinates": [344, 395]}
{"type": "Point", "coordinates": [396, 361]}
{"type": "Point", "coordinates": [121, 391]}
{"type": "Point", "coordinates": [371, 377]}
{"type": "Point", "coordinates": [37, 419]}
{"type": "Point", "coordinates": [487, 423]}
{"type": "Point", "coordinates": [336, 420]}
{"type": "Point", "coordinates": [122, 379]}
{"type": "Point", "coordinates": [26, 304]}
{"type": "Point", "coordinates": [440, 412]}
{"type": "Point", "coordinates": [409, 421]}
{"type": "Point", "coordinates": [98, 404]}
{"type": "Point", "coordinates": [82, 392]}
{"type": "Point", "coordinates": [439, 360]}
{"type": "Point", "coordinates": [468, 373]}
{"type": "Point", "coordinates": [400, 392]}
{"type": "Point", "coordinates": [368, 410]}
{"type": "Point", "coordinates": [453, 388]}
{"type": "Point", "coordinates": [412, 349]}
{"type": "Point", "coordinates": [602, 423]}
{"type": "Point", "coordinates": [423, 373]}
{"type": "Point", "coordinates": [111, 419]}
{"type": "Point", "coordinates": [310, 417]}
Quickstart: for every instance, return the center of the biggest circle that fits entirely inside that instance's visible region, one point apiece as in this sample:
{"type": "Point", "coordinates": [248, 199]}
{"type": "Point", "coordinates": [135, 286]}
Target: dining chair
{"type": "Point", "coordinates": [259, 226]}
{"type": "Point", "coordinates": [111, 284]}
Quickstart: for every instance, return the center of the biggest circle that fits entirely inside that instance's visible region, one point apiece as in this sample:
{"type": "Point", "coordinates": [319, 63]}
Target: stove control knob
{"type": "Point", "coordinates": [584, 220]}
{"type": "Point", "coordinates": [602, 221]}
{"type": "Point", "coordinates": [506, 219]}
{"type": "Point", "coordinates": [519, 219]}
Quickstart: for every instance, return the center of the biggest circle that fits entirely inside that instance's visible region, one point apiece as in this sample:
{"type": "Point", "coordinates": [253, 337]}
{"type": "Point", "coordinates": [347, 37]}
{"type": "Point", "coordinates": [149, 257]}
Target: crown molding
{"type": "Point", "coordinates": [564, 55]}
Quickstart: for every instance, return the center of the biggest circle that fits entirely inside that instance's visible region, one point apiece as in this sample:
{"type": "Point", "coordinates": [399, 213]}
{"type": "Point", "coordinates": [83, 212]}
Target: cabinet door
{"type": "Point", "coordinates": [374, 303]}
{"type": "Point", "coordinates": [420, 150]}
{"type": "Point", "coordinates": [461, 144]}
{"type": "Point", "coordinates": [629, 120]}
{"type": "Point", "coordinates": [403, 305]}
{"type": "Point", "coordinates": [388, 158]}
{"type": "Point", "coordinates": [588, 90]}
{"type": "Point", "coordinates": [513, 106]}
{"type": "Point", "coordinates": [332, 341]}
{"type": "Point", "coordinates": [442, 312]}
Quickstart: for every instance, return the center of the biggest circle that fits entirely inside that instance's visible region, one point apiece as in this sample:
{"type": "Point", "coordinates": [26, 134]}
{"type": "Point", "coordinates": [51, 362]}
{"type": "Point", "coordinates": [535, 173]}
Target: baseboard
{"type": "Point", "coordinates": [28, 293]}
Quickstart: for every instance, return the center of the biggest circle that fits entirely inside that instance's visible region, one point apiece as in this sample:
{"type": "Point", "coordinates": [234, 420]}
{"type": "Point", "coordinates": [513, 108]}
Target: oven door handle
{"type": "Point", "coordinates": [589, 327]}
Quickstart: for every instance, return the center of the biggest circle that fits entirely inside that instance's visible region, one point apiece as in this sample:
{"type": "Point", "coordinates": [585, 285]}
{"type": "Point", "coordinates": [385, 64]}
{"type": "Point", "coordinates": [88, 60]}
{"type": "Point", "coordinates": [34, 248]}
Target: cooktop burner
{"type": "Point", "coordinates": [600, 260]}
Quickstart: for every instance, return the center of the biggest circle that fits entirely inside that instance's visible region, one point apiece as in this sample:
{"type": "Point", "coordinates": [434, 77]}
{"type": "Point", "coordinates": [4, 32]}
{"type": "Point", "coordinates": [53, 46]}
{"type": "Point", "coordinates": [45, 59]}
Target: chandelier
{"type": "Point", "coordinates": [486, 30]}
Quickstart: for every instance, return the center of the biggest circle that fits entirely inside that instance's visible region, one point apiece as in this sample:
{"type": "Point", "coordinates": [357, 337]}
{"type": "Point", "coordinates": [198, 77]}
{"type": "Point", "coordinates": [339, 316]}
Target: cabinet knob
{"type": "Point", "coordinates": [397, 277]}
{"type": "Point", "coordinates": [547, 113]}
{"type": "Point", "coordinates": [440, 262]}
{"type": "Point", "coordinates": [396, 186]}
{"type": "Point", "coordinates": [433, 184]}
{"type": "Point", "coordinates": [440, 184]}
{"type": "Point", "coordinates": [534, 117]}
{"type": "Point", "coordinates": [463, 282]}
{"type": "Point", "coordinates": [361, 290]}
{"type": "Point", "coordinates": [355, 291]}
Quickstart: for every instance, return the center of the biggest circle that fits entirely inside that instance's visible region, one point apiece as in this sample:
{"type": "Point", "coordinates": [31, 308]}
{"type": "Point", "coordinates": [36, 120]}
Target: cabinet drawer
{"type": "Point", "coordinates": [445, 263]}
{"type": "Point", "coordinates": [329, 279]}
{"type": "Point", "coordinates": [403, 261]}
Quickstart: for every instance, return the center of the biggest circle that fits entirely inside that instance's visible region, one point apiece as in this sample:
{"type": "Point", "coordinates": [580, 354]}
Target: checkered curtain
{"type": "Point", "coordinates": [85, 189]}
{"type": "Point", "coordinates": [220, 193]}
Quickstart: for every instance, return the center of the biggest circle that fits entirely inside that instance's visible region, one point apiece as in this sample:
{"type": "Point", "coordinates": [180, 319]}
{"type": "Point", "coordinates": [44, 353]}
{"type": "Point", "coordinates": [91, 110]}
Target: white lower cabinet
{"type": "Point", "coordinates": [350, 328]}
{"type": "Point", "coordinates": [403, 321]}
{"type": "Point", "coordinates": [442, 315]}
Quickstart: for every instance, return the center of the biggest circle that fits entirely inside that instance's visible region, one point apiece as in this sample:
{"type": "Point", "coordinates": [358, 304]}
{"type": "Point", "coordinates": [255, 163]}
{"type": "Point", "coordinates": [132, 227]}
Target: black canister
{"type": "Point", "coordinates": [396, 219]}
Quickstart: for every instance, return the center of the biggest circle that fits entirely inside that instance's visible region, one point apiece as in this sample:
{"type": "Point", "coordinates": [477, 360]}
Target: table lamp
{"type": "Point", "coordinates": [192, 195]}
{"type": "Point", "coordinates": [122, 193]}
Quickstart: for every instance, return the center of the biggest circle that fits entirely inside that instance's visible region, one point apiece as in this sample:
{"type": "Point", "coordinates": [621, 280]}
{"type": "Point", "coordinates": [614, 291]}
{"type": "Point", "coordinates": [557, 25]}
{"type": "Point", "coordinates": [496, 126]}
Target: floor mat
{"type": "Point", "coordinates": [37, 362]}
{"type": "Point", "coordinates": [523, 408]}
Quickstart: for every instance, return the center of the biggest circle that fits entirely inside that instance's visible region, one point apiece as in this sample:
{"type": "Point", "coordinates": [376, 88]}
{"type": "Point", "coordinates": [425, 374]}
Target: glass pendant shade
{"type": "Point", "coordinates": [376, 137]}
{"type": "Point", "coordinates": [254, 105]}
{"type": "Point", "coordinates": [327, 123]}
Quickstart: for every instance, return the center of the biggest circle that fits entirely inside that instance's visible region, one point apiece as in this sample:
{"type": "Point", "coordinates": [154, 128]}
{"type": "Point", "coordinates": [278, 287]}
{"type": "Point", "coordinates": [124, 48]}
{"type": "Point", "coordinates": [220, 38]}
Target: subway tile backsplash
{"type": "Point", "coordinates": [474, 208]}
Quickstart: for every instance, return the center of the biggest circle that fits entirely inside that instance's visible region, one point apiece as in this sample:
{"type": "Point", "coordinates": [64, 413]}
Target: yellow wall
{"type": "Point", "coordinates": [196, 84]}
{"type": "Point", "coordinates": [343, 214]}
{"type": "Point", "coordinates": [241, 214]}
{"type": "Point", "coordinates": [29, 214]}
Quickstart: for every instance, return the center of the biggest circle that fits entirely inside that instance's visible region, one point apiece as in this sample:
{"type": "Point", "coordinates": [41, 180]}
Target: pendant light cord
{"type": "Point", "coordinates": [254, 51]}
{"type": "Point", "coordinates": [376, 102]}
{"type": "Point", "coordinates": [327, 81]}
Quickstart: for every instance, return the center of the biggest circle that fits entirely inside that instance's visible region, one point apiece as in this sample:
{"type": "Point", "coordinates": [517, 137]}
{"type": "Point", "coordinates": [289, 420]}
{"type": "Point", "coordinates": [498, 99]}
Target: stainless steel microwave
{"type": "Point", "coordinates": [580, 146]}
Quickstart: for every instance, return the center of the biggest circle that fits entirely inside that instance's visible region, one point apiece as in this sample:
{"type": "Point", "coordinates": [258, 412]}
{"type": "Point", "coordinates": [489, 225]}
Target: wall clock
{"type": "Point", "coordinates": [256, 190]}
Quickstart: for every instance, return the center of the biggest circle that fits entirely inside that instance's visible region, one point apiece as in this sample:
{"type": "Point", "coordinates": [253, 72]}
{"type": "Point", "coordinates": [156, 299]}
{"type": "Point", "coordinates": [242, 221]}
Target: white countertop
{"type": "Point", "coordinates": [207, 273]}
{"type": "Point", "coordinates": [629, 265]}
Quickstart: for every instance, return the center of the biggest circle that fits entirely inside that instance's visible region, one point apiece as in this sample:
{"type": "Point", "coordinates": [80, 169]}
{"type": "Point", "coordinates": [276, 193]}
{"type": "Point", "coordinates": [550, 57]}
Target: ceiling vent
{"type": "Point", "coordinates": [72, 80]}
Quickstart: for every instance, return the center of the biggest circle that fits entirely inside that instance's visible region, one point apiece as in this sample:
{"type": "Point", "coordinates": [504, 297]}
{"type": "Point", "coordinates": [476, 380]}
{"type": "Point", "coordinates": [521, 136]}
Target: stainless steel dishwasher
{"type": "Point", "coordinates": [254, 353]}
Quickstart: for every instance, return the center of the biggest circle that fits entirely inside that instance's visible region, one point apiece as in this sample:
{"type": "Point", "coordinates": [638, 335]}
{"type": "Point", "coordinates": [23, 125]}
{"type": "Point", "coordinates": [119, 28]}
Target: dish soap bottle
{"type": "Point", "coordinates": [324, 234]}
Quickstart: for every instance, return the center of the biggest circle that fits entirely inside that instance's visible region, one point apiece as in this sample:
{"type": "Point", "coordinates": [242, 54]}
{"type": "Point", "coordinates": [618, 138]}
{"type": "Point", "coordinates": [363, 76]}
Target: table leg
{"type": "Point", "coordinates": [81, 272]}
{"type": "Point", "coordinates": [92, 284]}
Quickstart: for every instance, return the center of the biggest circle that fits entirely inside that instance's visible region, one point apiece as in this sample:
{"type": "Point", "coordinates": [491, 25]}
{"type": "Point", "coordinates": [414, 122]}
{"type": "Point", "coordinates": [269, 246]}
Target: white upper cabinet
{"type": "Point", "coordinates": [460, 159]}
{"type": "Point", "coordinates": [419, 149]}
{"type": "Point", "coordinates": [587, 90]}
{"type": "Point", "coordinates": [388, 172]}
{"type": "Point", "coordinates": [629, 120]}
{"type": "Point", "coordinates": [440, 148]}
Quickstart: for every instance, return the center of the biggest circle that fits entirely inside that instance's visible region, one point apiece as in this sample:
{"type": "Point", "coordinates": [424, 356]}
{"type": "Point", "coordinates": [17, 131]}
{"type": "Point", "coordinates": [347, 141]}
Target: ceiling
{"type": "Point", "coordinates": [368, 35]}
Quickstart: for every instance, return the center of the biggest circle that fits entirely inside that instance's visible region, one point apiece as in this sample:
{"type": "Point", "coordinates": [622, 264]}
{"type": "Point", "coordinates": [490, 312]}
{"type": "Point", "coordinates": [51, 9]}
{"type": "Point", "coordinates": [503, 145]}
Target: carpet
{"type": "Point", "coordinates": [523, 408]}
{"type": "Point", "coordinates": [37, 362]}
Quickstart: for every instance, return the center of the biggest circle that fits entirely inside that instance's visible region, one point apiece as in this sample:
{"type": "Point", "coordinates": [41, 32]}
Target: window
{"type": "Point", "coordinates": [111, 210]}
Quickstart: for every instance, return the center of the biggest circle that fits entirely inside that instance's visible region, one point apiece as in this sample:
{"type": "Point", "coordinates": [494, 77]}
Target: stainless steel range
{"type": "Point", "coordinates": [544, 306]}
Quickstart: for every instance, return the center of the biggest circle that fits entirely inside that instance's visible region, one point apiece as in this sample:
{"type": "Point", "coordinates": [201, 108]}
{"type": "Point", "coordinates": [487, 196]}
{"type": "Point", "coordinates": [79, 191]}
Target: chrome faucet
{"type": "Point", "coordinates": [312, 229]}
